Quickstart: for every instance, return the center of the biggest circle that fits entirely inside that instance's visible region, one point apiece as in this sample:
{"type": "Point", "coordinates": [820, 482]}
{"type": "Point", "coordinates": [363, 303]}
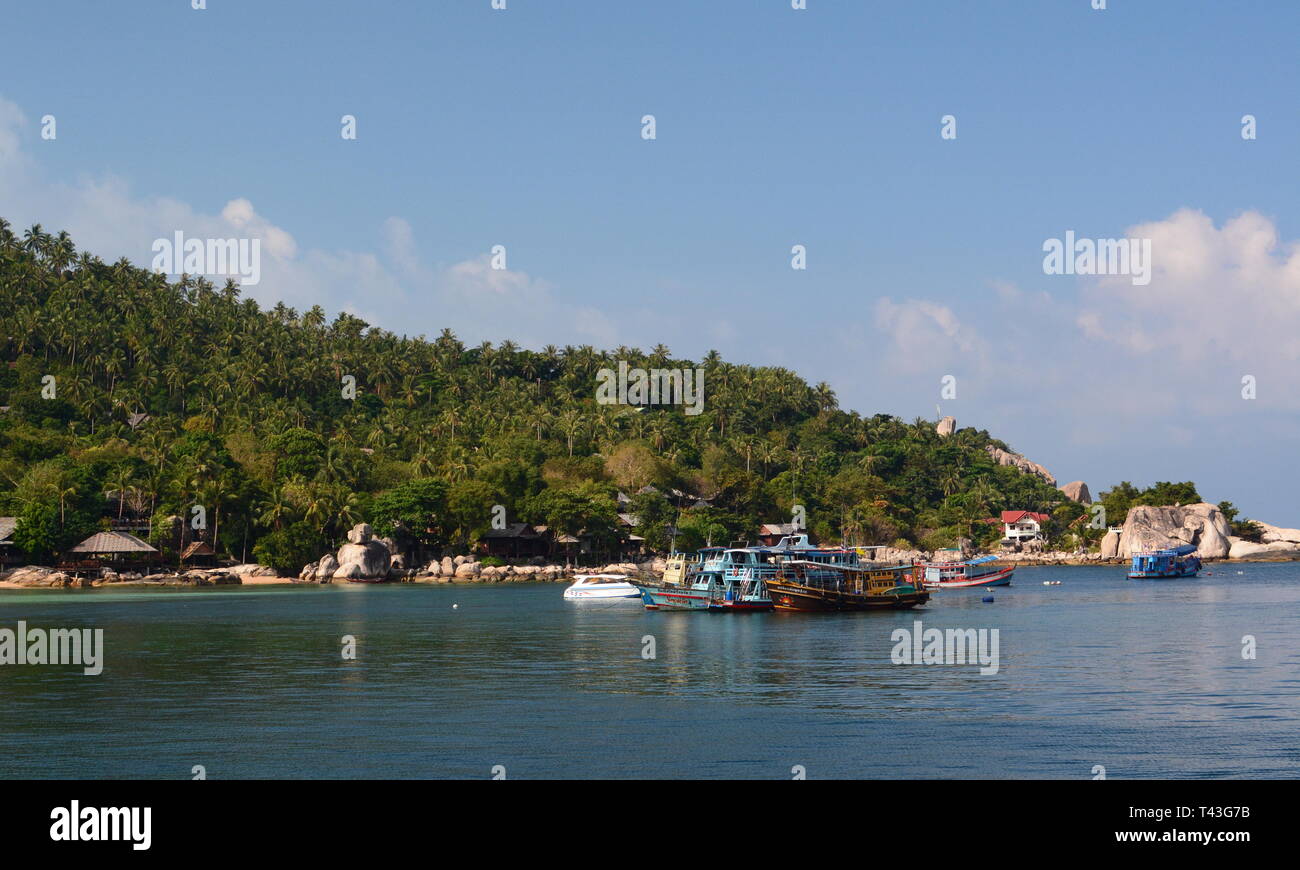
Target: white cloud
{"type": "Point", "coordinates": [924, 334]}
{"type": "Point", "coordinates": [1218, 296]}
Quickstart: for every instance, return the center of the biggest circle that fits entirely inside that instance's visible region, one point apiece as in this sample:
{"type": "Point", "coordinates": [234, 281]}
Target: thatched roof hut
{"type": "Point", "coordinates": [108, 543]}
{"type": "Point", "coordinates": [198, 550]}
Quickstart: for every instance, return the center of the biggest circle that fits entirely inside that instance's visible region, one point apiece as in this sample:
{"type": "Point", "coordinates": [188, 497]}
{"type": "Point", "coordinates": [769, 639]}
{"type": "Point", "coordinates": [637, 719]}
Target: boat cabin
{"type": "Point", "coordinates": [1172, 562]}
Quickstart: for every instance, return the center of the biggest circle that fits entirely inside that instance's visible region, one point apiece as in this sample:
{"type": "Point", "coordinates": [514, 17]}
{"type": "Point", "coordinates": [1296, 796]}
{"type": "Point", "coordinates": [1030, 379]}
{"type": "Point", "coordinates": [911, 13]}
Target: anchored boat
{"type": "Point", "coordinates": [725, 580]}
{"type": "Point", "coordinates": [600, 586]}
{"type": "Point", "coordinates": [806, 585]}
{"type": "Point", "coordinates": [1165, 564]}
{"type": "Point", "coordinates": [732, 579]}
{"type": "Point", "coordinates": [979, 571]}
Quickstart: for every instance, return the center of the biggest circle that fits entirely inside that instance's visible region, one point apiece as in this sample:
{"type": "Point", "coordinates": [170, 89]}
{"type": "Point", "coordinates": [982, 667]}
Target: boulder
{"type": "Point", "coordinates": [1110, 545]}
{"type": "Point", "coordinates": [252, 569]}
{"type": "Point", "coordinates": [37, 576]}
{"type": "Point", "coordinates": [361, 533]}
{"type": "Point", "coordinates": [1005, 457]}
{"type": "Point", "coordinates": [326, 567]}
{"type": "Point", "coordinates": [1274, 534]}
{"type": "Point", "coordinates": [946, 427]}
{"type": "Point", "coordinates": [1154, 528]}
{"type": "Point", "coordinates": [448, 566]}
{"type": "Point", "coordinates": [363, 561]}
{"type": "Point", "coordinates": [1077, 491]}
{"type": "Point", "coordinates": [206, 577]}
{"type": "Point", "coordinates": [1243, 549]}
{"type": "Point", "coordinates": [349, 571]}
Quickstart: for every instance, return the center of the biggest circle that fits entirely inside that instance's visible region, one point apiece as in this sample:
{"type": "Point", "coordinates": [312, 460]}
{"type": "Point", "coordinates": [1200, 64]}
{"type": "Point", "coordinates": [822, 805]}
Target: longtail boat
{"type": "Point", "coordinates": [970, 572]}
{"type": "Point", "coordinates": [1165, 564]}
{"type": "Point", "coordinates": [819, 586]}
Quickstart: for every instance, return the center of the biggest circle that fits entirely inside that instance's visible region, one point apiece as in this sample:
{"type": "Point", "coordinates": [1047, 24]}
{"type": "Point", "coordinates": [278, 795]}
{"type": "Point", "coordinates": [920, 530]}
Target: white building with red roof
{"type": "Point", "coordinates": [1022, 525]}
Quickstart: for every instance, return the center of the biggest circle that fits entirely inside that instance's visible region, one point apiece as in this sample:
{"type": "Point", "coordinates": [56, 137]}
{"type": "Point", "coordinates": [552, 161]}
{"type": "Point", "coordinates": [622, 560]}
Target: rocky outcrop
{"type": "Point", "coordinates": [1275, 534]}
{"type": "Point", "coordinates": [1278, 549]}
{"type": "Point", "coordinates": [467, 569]}
{"type": "Point", "coordinates": [37, 576]}
{"type": "Point", "coordinates": [252, 569]}
{"type": "Point", "coordinates": [1005, 457]}
{"type": "Point", "coordinates": [1077, 491]}
{"type": "Point", "coordinates": [1154, 528]}
{"type": "Point", "coordinates": [363, 557]}
{"type": "Point", "coordinates": [194, 577]}
{"type": "Point", "coordinates": [1110, 544]}
{"type": "Point", "coordinates": [946, 427]}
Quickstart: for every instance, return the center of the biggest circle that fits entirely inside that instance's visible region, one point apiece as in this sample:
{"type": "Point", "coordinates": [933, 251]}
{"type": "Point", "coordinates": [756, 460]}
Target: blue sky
{"type": "Point", "coordinates": [775, 127]}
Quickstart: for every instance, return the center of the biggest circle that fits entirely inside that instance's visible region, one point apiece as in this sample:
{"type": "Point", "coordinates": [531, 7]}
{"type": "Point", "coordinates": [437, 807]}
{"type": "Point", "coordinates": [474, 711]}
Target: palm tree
{"type": "Point", "coordinates": [275, 508]}
{"type": "Point", "coordinates": [571, 423]}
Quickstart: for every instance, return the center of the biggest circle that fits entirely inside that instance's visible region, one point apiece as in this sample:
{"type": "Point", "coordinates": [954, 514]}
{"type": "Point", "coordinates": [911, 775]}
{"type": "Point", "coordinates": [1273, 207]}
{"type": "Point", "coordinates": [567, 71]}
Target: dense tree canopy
{"type": "Point", "coordinates": [249, 416]}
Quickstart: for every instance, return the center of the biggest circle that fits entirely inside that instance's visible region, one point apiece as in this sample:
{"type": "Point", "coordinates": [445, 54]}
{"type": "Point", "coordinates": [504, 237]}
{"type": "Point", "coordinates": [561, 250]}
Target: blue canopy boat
{"type": "Point", "coordinates": [1165, 564]}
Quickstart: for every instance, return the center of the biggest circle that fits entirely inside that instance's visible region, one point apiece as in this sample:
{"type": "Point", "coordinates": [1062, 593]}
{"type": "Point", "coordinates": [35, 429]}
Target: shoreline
{"type": "Point", "coordinates": [177, 581]}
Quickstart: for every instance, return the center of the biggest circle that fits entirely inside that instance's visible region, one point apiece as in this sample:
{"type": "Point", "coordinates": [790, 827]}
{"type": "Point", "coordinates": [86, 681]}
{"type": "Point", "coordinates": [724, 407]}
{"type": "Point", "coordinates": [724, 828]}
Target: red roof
{"type": "Point", "coordinates": [1017, 516]}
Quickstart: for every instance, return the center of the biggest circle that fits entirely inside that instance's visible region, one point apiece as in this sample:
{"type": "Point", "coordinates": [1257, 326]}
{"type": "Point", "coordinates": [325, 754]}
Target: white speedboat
{"type": "Point", "coordinates": [601, 586]}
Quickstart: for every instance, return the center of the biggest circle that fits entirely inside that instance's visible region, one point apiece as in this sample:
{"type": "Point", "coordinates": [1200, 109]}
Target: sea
{"type": "Point", "coordinates": [1097, 677]}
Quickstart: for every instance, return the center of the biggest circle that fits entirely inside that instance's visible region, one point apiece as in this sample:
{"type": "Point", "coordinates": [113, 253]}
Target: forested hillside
{"type": "Point", "coordinates": [247, 417]}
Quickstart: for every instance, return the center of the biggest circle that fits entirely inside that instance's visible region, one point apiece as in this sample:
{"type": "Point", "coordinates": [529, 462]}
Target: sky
{"type": "Point", "coordinates": [774, 127]}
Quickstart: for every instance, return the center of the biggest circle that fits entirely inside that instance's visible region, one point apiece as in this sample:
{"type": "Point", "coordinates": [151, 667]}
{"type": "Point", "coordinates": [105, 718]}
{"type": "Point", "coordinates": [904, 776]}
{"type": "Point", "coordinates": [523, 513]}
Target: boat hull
{"type": "Point", "coordinates": [757, 605]}
{"type": "Point", "coordinates": [588, 594]}
{"type": "Point", "coordinates": [1001, 577]}
{"type": "Point", "coordinates": [673, 598]}
{"type": "Point", "coordinates": [794, 596]}
{"type": "Point", "coordinates": [1163, 575]}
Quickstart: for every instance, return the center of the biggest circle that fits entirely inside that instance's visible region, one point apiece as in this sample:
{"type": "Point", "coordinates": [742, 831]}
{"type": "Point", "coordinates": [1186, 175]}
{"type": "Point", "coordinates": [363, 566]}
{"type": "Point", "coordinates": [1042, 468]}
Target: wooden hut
{"type": "Point", "coordinates": [199, 553]}
{"type": "Point", "coordinates": [119, 550]}
{"type": "Point", "coordinates": [8, 552]}
{"type": "Point", "coordinates": [518, 540]}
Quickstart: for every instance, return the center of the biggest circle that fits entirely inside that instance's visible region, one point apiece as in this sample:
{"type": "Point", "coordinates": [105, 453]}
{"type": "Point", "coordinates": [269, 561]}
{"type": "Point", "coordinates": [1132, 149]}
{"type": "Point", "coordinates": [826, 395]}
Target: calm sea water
{"type": "Point", "coordinates": [1146, 679]}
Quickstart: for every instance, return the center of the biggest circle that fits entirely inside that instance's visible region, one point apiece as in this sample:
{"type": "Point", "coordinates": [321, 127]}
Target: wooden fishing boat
{"type": "Point", "coordinates": [1165, 564]}
{"type": "Point", "coordinates": [821, 587]}
{"type": "Point", "coordinates": [970, 572]}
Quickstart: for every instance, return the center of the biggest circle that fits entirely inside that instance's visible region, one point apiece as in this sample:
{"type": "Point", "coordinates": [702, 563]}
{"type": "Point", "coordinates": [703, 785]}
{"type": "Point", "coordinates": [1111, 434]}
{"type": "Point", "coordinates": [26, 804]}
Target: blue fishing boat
{"type": "Point", "coordinates": [1165, 564]}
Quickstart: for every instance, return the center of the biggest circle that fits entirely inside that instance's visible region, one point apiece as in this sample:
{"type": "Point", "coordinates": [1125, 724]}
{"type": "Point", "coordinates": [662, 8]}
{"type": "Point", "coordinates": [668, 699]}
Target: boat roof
{"type": "Point", "coordinates": [978, 560]}
{"type": "Point", "coordinates": [836, 567]}
{"type": "Point", "coordinates": [1184, 550]}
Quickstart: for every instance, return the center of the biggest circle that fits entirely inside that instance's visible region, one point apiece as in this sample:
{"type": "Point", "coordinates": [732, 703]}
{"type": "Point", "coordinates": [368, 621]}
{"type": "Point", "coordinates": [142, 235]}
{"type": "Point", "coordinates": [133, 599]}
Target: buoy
{"type": "Point", "coordinates": [455, 607]}
{"type": "Point", "coordinates": [988, 599]}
